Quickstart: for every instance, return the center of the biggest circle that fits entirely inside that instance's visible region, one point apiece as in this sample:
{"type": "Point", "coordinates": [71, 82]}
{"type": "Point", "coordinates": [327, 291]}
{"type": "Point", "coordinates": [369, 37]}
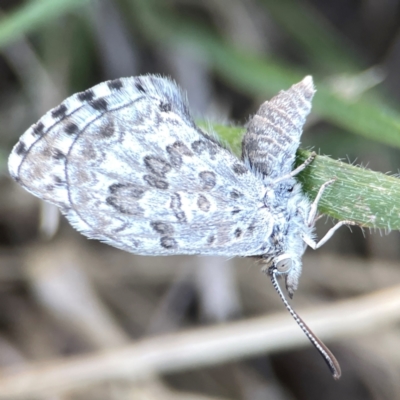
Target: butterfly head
{"type": "Point", "coordinates": [287, 266]}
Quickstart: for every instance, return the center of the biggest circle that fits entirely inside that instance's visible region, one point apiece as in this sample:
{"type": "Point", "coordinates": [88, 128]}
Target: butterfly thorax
{"type": "Point", "coordinates": [291, 209]}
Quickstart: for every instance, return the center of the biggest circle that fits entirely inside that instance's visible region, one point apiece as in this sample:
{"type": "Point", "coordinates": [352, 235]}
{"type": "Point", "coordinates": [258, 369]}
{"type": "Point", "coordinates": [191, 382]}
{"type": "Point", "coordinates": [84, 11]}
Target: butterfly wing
{"type": "Point", "coordinates": [273, 134]}
{"type": "Point", "coordinates": [127, 165]}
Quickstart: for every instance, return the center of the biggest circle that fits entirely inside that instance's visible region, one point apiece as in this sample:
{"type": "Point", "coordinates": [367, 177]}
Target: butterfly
{"type": "Point", "coordinates": [127, 165]}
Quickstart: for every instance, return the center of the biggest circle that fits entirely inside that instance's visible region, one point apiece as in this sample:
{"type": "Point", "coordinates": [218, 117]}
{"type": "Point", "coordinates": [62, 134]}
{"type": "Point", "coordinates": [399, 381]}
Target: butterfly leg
{"type": "Point", "coordinates": [314, 206]}
{"type": "Point", "coordinates": [300, 168]}
{"type": "Point", "coordinates": [316, 245]}
{"type": "Point", "coordinates": [312, 218]}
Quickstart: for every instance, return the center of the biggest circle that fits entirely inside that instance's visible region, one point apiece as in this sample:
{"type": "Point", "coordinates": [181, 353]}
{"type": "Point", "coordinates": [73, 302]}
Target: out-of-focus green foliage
{"type": "Point", "coordinates": [33, 15]}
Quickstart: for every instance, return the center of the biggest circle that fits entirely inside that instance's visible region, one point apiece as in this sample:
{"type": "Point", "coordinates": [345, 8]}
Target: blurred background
{"type": "Point", "coordinates": [82, 320]}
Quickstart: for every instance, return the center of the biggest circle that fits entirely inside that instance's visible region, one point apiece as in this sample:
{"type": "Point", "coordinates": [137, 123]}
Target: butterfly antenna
{"type": "Point", "coordinates": [327, 355]}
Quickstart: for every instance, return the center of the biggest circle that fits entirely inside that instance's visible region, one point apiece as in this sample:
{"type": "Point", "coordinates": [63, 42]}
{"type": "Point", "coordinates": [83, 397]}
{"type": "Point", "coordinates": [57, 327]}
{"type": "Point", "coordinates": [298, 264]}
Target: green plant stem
{"type": "Point", "coordinates": [369, 198]}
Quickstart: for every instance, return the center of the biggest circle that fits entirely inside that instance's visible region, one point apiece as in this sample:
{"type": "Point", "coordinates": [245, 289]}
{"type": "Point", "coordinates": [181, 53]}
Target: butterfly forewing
{"type": "Point", "coordinates": [127, 165]}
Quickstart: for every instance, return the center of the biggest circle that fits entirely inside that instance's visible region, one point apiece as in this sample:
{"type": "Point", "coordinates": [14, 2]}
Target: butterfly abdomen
{"type": "Point", "coordinates": [273, 135]}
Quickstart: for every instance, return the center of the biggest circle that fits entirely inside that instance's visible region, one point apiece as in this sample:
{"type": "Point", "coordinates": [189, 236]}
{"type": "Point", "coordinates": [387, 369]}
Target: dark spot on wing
{"type": "Point", "coordinates": [211, 239]}
{"type": "Point", "coordinates": [58, 181]}
{"type": "Point", "coordinates": [236, 211]}
{"type": "Point", "coordinates": [122, 228]}
{"type": "Point", "coordinates": [99, 104]}
{"type": "Point", "coordinates": [38, 128]}
{"type": "Point", "coordinates": [90, 152]}
{"type": "Point", "coordinates": [127, 191]}
{"type": "Point", "coordinates": [168, 242]}
{"type": "Point", "coordinates": [203, 203]}
{"type": "Point", "coordinates": [157, 165]}
{"type": "Point", "coordinates": [115, 186]}
{"type": "Point", "coordinates": [58, 154]}
{"type": "Point", "coordinates": [156, 182]}
{"type": "Point", "coordinates": [71, 128]}
{"type": "Point", "coordinates": [181, 148]}
{"type": "Point", "coordinates": [251, 227]}
{"type": "Point", "coordinates": [235, 194]}
{"type": "Point", "coordinates": [176, 201]}
{"type": "Point", "coordinates": [199, 146]}
{"type": "Point", "coordinates": [175, 152]}
{"type": "Point", "coordinates": [162, 228]}
{"type": "Point", "coordinates": [113, 202]}
{"type": "Point", "coordinates": [46, 152]}
{"type": "Point", "coordinates": [115, 84]}
{"type": "Point", "coordinates": [238, 232]}
{"type": "Point", "coordinates": [124, 206]}
{"type": "Point", "coordinates": [59, 112]}
{"type": "Point", "coordinates": [176, 205]}
{"type": "Point", "coordinates": [87, 95]}
{"type": "Point", "coordinates": [83, 176]}
{"type": "Point", "coordinates": [107, 130]}
{"type": "Point", "coordinates": [139, 87]}
{"type": "Point", "coordinates": [165, 107]}
{"type": "Point", "coordinates": [239, 169]}
{"type": "Point", "coordinates": [208, 179]}
{"type": "Point", "coordinates": [213, 148]}
{"type": "Point", "coordinates": [180, 216]}
{"type": "Point", "coordinates": [21, 148]}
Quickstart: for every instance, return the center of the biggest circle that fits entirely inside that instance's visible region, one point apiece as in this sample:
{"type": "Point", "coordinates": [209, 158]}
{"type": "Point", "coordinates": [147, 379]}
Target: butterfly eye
{"type": "Point", "coordinates": [284, 265]}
